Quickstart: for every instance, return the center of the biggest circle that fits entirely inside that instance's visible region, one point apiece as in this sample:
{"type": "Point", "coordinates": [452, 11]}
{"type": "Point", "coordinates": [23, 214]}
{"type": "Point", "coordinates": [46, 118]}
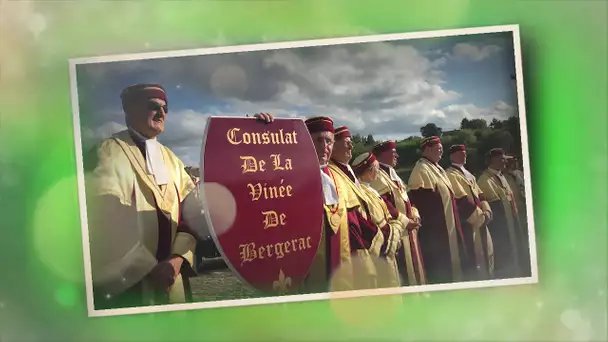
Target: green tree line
{"type": "Point", "coordinates": [477, 134]}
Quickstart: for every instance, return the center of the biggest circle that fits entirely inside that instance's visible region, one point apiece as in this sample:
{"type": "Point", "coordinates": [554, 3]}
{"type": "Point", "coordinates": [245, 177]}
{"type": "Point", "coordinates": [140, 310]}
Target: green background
{"type": "Point", "coordinates": [564, 56]}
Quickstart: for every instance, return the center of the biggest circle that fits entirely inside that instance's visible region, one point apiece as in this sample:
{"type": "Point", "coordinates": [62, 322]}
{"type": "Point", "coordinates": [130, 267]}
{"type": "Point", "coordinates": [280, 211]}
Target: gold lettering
{"type": "Point", "coordinates": [250, 164]}
{"type": "Point", "coordinates": [248, 253]}
{"type": "Point", "coordinates": [272, 219]}
{"type": "Point", "coordinates": [264, 138]}
{"type": "Point", "coordinates": [287, 245]}
{"type": "Point", "coordinates": [256, 191]}
{"type": "Point", "coordinates": [255, 138]}
{"type": "Point", "coordinates": [278, 250]}
{"type": "Point", "coordinates": [290, 138]}
{"type": "Point", "coordinates": [276, 162]}
{"type": "Point", "coordinates": [231, 136]}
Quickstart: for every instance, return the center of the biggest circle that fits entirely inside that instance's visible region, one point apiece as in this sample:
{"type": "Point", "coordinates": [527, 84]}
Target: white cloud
{"type": "Point", "coordinates": [383, 89]}
{"type": "Point", "coordinates": [473, 52]}
{"type": "Point", "coordinates": [373, 89]}
{"type": "Point", "coordinates": [183, 134]}
{"type": "Point", "coordinates": [91, 136]}
{"type": "Point", "coordinates": [453, 114]}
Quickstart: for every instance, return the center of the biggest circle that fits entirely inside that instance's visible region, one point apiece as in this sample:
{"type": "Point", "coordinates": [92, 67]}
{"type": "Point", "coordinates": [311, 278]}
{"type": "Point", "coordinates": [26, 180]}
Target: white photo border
{"type": "Point", "coordinates": [514, 29]}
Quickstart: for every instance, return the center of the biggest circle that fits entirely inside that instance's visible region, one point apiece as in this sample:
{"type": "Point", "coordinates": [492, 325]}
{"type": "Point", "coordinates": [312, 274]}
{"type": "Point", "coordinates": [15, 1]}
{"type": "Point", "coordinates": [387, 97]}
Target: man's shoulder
{"type": "Point", "coordinates": [102, 149]}
{"type": "Point", "coordinates": [452, 171]}
{"type": "Point", "coordinates": [168, 150]}
{"type": "Point", "coordinates": [421, 166]}
{"type": "Point", "coordinates": [484, 177]}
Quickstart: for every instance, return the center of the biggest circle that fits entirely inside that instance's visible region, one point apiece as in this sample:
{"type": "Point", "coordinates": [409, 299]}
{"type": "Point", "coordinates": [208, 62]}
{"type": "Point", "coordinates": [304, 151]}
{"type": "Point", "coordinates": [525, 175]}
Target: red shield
{"type": "Point", "coordinates": [263, 198]}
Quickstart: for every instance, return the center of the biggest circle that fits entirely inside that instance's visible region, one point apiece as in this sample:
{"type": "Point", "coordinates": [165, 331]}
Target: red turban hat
{"type": "Point", "coordinates": [363, 162]}
{"type": "Point", "coordinates": [384, 147]}
{"type": "Point", "coordinates": [430, 141]}
{"type": "Point", "coordinates": [320, 124]}
{"type": "Point", "coordinates": [341, 133]}
{"type": "Point", "coordinates": [142, 92]}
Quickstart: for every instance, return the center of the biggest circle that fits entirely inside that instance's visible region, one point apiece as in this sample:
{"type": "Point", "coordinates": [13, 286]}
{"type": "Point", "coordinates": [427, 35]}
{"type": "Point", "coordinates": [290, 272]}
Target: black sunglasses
{"type": "Point", "coordinates": [155, 106]}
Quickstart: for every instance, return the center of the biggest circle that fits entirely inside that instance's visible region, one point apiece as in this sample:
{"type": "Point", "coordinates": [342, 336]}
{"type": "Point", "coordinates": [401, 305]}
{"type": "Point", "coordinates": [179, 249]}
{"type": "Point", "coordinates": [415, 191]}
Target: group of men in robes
{"type": "Point", "coordinates": [441, 226]}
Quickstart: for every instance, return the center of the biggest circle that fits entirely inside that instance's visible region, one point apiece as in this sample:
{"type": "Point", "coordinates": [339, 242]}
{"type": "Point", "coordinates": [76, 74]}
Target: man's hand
{"type": "Point", "coordinates": [413, 224]}
{"type": "Point", "coordinates": [266, 117]}
{"type": "Point", "coordinates": [164, 274]}
{"type": "Point", "coordinates": [176, 262]}
{"type": "Point", "coordinates": [488, 215]}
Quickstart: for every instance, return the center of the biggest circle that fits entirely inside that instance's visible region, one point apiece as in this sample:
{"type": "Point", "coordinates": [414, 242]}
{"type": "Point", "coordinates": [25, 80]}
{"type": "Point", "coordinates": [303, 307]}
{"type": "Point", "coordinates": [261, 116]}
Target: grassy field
{"type": "Point", "coordinates": [219, 283]}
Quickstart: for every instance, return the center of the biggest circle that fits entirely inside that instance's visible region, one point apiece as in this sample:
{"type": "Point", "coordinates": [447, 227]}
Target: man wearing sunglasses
{"type": "Point", "coordinates": [142, 234]}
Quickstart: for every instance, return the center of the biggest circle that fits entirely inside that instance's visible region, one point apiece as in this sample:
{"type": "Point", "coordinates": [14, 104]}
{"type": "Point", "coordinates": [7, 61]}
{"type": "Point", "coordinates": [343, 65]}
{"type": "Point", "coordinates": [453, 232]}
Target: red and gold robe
{"type": "Point", "coordinates": [519, 196]}
{"type": "Point", "coordinates": [387, 268]}
{"type": "Point", "coordinates": [441, 239]}
{"type": "Point", "coordinates": [125, 201]}
{"type": "Point", "coordinates": [409, 256]}
{"type": "Point", "coordinates": [511, 253]}
{"type": "Point", "coordinates": [332, 268]}
{"type": "Point", "coordinates": [366, 239]}
{"type": "Point", "coordinates": [471, 206]}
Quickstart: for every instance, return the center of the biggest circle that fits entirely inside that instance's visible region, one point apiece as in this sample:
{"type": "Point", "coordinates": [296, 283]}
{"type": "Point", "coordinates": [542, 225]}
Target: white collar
{"type": "Point", "coordinates": [330, 194]}
{"type": "Point", "coordinates": [392, 173]}
{"type": "Point", "coordinates": [154, 158]}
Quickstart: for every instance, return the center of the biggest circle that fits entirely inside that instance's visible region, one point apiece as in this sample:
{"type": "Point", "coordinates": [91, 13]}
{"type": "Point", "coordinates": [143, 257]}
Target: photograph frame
{"type": "Point", "coordinates": [514, 29]}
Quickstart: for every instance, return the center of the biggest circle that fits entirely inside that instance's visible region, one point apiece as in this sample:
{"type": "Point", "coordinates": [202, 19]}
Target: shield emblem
{"type": "Point", "coordinates": [261, 190]}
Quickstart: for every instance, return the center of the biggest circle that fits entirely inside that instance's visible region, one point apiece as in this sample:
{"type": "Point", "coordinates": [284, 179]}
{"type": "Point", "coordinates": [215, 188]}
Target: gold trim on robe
{"type": "Point", "coordinates": [343, 279]}
{"type": "Point", "coordinates": [494, 190]}
{"type": "Point", "coordinates": [380, 216]}
{"type": "Point", "coordinates": [464, 187]}
{"type": "Point", "coordinates": [431, 177]}
{"type": "Point", "coordinates": [519, 197]}
{"type": "Point", "coordinates": [355, 198]}
{"type": "Point", "coordinates": [121, 173]}
{"type": "Point", "coordinates": [384, 184]}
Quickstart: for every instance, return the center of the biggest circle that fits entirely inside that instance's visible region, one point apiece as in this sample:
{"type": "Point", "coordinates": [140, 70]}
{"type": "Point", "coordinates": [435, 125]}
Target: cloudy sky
{"type": "Point", "coordinates": [388, 89]}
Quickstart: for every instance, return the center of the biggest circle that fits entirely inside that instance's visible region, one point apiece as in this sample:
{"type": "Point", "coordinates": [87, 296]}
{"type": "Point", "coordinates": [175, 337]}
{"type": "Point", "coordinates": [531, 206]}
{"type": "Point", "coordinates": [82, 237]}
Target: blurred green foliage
{"type": "Point", "coordinates": [478, 135]}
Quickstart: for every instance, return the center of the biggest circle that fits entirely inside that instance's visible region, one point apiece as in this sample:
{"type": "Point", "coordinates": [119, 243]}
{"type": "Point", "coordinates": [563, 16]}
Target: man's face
{"type": "Point", "coordinates": [459, 157]}
{"type": "Point", "coordinates": [324, 143]}
{"type": "Point", "coordinates": [343, 150]}
{"type": "Point", "coordinates": [499, 163]}
{"type": "Point", "coordinates": [148, 117]}
{"type": "Point", "coordinates": [435, 152]}
{"type": "Point", "coordinates": [389, 157]}
{"type": "Point", "coordinates": [511, 164]}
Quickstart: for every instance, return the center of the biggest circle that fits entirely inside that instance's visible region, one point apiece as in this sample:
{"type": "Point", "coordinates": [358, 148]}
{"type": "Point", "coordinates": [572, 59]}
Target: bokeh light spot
{"type": "Point", "coordinates": [66, 295]}
{"type": "Point", "coordinates": [229, 81]}
{"type": "Point", "coordinates": [221, 206]}
{"type": "Point", "coordinates": [56, 232]}
{"type": "Point", "coordinates": [355, 311]}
